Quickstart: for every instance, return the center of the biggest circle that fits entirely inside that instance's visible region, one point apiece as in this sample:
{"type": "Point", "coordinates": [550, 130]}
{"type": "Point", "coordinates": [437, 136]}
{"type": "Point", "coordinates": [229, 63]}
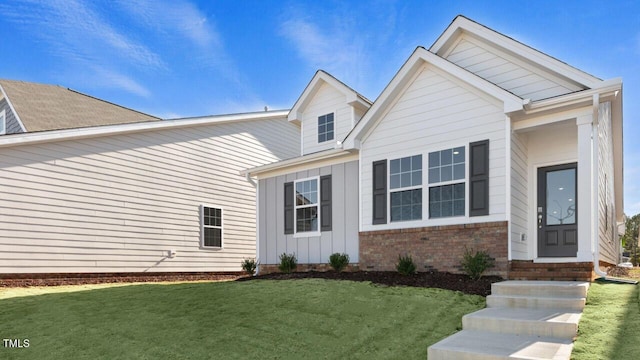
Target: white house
{"type": "Point", "coordinates": [478, 142]}
{"type": "Point", "coordinates": [87, 186]}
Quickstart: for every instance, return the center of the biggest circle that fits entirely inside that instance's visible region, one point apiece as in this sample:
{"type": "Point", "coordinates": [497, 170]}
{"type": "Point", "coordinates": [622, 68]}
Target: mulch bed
{"type": "Point", "coordinates": [83, 279]}
{"type": "Point", "coordinates": [456, 282]}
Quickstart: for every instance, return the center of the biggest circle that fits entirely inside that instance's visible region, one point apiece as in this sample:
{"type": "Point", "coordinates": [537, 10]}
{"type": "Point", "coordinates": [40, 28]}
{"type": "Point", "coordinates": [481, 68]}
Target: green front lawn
{"type": "Point", "coordinates": [259, 319]}
{"type": "Point", "coordinates": [610, 324]}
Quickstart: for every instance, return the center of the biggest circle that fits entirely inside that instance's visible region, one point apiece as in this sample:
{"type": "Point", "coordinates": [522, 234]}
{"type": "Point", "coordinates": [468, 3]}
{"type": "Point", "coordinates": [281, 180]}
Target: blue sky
{"type": "Point", "coordinates": [179, 58]}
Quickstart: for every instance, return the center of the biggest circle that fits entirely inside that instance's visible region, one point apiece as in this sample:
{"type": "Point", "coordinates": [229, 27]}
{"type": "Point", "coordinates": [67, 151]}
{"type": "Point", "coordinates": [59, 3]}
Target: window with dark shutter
{"type": "Point", "coordinates": [479, 178]}
{"type": "Point", "coordinates": [380, 192]}
{"type": "Point", "coordinates": [325, 203]}
{"type": "Point", "coordinates": [288, 208]}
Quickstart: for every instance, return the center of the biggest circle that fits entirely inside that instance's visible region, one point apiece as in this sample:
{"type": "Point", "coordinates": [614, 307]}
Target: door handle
{"type": "Point", "coordinates": [539, 220]}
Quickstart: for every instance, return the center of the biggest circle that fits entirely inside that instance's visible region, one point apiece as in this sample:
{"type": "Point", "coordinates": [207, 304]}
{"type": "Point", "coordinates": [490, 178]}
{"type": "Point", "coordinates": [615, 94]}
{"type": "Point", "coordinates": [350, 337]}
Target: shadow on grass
{"type": "Point", "coordinates": [610, 323]}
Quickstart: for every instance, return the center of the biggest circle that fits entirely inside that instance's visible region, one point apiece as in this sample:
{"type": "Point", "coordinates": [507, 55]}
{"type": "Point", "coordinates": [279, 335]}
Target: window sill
{"type": "Point", "coordinates": [211, 248]}
{"type": "Point", "coordinates": [306, 234]}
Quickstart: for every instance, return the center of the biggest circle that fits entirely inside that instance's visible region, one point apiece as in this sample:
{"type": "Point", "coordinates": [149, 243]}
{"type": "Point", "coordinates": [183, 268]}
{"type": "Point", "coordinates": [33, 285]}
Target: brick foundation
{"type": "Point", "coordinates": [528, 270]}
{"type": "Point", "coordinates": [51, 279]}
{"type": "Point", "coordinates": [435, 248]}
{"type": "Point", "coordinates": [272, 268]}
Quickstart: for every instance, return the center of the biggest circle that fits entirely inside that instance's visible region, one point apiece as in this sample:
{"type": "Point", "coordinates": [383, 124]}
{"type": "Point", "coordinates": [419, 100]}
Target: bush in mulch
{"type": "Point", "coordinates": [456, 282]}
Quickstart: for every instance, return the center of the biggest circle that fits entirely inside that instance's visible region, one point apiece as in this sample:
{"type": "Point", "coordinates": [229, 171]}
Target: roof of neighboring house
{"type": "Point", "coordinates": [41, 107]}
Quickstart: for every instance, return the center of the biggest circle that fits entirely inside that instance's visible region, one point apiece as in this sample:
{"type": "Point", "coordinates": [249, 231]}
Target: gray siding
{"type": "Point", "coordinates": [118, 203]}
{"type": "Point", "coordinates": [343, 237]}
{"type": "Point", "coordinates": [13, 126]}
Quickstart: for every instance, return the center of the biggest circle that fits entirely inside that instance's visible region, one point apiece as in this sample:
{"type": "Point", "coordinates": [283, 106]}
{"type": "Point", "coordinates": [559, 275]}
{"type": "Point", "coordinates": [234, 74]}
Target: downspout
{"type": "Point", "coordinates": [595, 239]}
{"type": "Point", "coordinates": [255, 185]}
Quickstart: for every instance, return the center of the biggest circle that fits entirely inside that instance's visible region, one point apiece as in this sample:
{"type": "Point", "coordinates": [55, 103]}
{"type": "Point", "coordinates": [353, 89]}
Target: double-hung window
{"type": "Point", "coordinates": [307, 215]}
{"type": "Point", "coordinates": [211, 227]}
{"type": "Point", "coordinates": [325, 128]}
{"type": "Point", "coordinates": [405, 188]}
{"type": "Point", "coordinates": [447, 183]}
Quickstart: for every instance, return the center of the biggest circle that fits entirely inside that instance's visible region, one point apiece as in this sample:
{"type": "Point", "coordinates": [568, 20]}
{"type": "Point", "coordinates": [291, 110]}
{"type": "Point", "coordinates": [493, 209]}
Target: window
{"type": "Point", "coordinates": [306, 205]}
{"type": "Point", "coordinates": [325, 128]}
{"type": "Point", "coordinates": [405, 187]}
{"type": "Point", "coordinates": [447, 183]}
{"type": "Point", "coordinates": [211, 227]}
{"type": "Point", "coordinates": [3, 123]}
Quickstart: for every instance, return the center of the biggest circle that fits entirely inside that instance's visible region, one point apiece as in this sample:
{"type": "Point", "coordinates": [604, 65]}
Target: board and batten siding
{"type": "Point", "coordinates": [119, 203]}
{"type": "Point", "coordinates": [326, 100]}
{"type": "Point", "coordinates": [519, 198]}
{"type": "Point", "coordinates": [11, 122]}
{"type": "Point", "coordinates": [607, 227]}
{"type": "Point", "coordinates": [436, 112]}
{"type": "Point", "coordinates": [507, 71]}
{"type": "Point", "coordinates": [343, 237]}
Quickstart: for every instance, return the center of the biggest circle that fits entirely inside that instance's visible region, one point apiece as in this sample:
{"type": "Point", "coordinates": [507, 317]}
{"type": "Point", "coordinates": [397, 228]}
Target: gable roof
{"type": "Point", "coordinates": [41, 107]}
{"type": "Point", "coordinates": [462, 24]}
{"type": "Point", "coordinates": [406, 73]}
{"type": "Point", "coordinates": [321, 77]}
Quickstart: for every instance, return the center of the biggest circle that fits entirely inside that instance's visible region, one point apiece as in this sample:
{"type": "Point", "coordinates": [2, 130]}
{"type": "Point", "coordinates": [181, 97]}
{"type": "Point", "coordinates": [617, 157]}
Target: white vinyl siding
{"type": "Point", "coordinates": [3, 123]}
{"type": "Point", "coordinates": [433, 113]}
{"type": "Point", "coordinates": [519, 198]}
{"type": "Point", "coordinates": [508, 72]}
{"type": "Point", "coordinates": [119, 203]}
{"type": "Point", "coordinates": [607, 230]}
{"type": "Point", "coordinates": [326, 100]}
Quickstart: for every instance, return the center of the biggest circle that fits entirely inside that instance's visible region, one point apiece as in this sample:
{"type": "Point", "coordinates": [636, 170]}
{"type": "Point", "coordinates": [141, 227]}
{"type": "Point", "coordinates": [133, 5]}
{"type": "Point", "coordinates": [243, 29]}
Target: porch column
{"type": "Point", "coordinates": [585, 188]}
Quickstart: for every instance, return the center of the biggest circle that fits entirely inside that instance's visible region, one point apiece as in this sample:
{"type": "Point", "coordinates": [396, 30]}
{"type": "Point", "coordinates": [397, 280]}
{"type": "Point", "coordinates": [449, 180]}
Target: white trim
{"type": "Point", "coordinates": [202, 227]}
{"type": "Point", "coordinates": [97, 131]}
{"type": "Point", "coordinates": [452, 182]}
{"type": "Point", "coordinates": [288, 164]}
{"type": "Point", "coordinates": [508, 170]}
{"type": "Point", "coordinates": [3, 122]}
{"type": "Point", "coordinates": [13, 110]}
{"type": "Point", "coordinates": [297, 234]}
{"type": "Point", "coordinates": [406, 188]}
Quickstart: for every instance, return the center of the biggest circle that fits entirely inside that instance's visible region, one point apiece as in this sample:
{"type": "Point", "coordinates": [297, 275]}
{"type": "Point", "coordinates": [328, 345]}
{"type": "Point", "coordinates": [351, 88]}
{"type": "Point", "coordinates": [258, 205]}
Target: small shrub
{"type": "Point", "coordinates": [618, 271]}
{"type": "Point", "coordinates": [339, 261]}
{"type": "Point", "coordinates": [476, 264]}
{"type": "Point", "coordinates": [288, 262]}
{"type": "Point", "coordinates": [249, 266]}
{"type": "Point", "coordinates": [405, 265]}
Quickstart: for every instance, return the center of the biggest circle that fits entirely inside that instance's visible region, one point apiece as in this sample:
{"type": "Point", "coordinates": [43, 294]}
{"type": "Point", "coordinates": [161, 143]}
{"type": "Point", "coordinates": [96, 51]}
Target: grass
{"type": "Point", "coordinates": [291, 319]}
{"type": "Point", "coordinates": [610, 324]}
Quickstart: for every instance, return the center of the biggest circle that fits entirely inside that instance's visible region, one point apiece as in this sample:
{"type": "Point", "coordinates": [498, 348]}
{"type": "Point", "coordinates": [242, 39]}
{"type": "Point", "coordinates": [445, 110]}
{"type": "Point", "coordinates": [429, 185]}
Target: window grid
{"type": "Point", "coordinates": [211, 226]}
{"type": "Point", "coordinates": [405, 181]}
{"type": "Point", "coordinates": [306, 205]}
{"type": "Point", "coordinates": [325, 128]}
{"type": "Point", "coordinates": [447, 180]}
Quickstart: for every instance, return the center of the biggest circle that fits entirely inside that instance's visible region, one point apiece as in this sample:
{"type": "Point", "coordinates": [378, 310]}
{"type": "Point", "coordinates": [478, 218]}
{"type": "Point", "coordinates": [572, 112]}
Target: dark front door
{"type": "Point", "coordinates": [557, 211]}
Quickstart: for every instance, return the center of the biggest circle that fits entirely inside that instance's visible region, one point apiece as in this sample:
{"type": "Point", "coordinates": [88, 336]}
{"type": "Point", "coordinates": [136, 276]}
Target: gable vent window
{"type": "Point", "coordinates": [325, 128]}
{"type": "Point", "coordinates": [211, 227]}
{"type": "Point", "coordinates": [405, 188]}
{"type": "Point", "coordinates": [3, 123]}
{"type": "Point", "coordinates": [447, 183]}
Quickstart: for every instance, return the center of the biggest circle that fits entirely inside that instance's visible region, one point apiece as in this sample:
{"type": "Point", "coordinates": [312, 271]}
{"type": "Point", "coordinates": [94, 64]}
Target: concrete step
{"type": "Point", "coordinates": [541, 288]}
{"type": "Point", "coordinates": [558, 323]}
{"type": "Point", "coordinates": [524, 301]}
{"type": "Point", "coordinates": [482, 345]}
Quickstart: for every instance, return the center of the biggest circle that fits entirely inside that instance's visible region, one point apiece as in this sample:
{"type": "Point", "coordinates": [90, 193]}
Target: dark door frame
{"type": "Point", "coordinates": [541, 216]}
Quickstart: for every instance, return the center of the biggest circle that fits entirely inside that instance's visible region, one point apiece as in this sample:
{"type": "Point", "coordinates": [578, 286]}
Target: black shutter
{"type": "Point", "coordinates": [479, 178]}
{"type": "Point", "coordinates": [288, 208]}
{"type": "Point", "coordinates": [325, 203]}
{"type": "Point", "coordinates": [379, 192]}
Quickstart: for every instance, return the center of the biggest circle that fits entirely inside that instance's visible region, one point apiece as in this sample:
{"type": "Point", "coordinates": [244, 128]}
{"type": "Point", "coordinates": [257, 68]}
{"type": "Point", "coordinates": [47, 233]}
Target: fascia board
{"type": "Point", "coordinates": [297, 161]}
{"type": "Point", "coordinates": [13, 109]}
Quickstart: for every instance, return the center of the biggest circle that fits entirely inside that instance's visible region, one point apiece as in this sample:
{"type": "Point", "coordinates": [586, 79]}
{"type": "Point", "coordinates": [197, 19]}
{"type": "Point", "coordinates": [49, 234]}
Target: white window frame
{"type": "Point", "coordinates": [203, 226]}
{"type": "Point", "coordinates": [407, 188]}
{"type": "Point", "coordinates": [297, 233]}
{"type": "Point", "coordinates": [464, 181]}
{"type": "Point", "coordinates": [3, 122]}
{"type": "Point", "coordinates": [333, 132]}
